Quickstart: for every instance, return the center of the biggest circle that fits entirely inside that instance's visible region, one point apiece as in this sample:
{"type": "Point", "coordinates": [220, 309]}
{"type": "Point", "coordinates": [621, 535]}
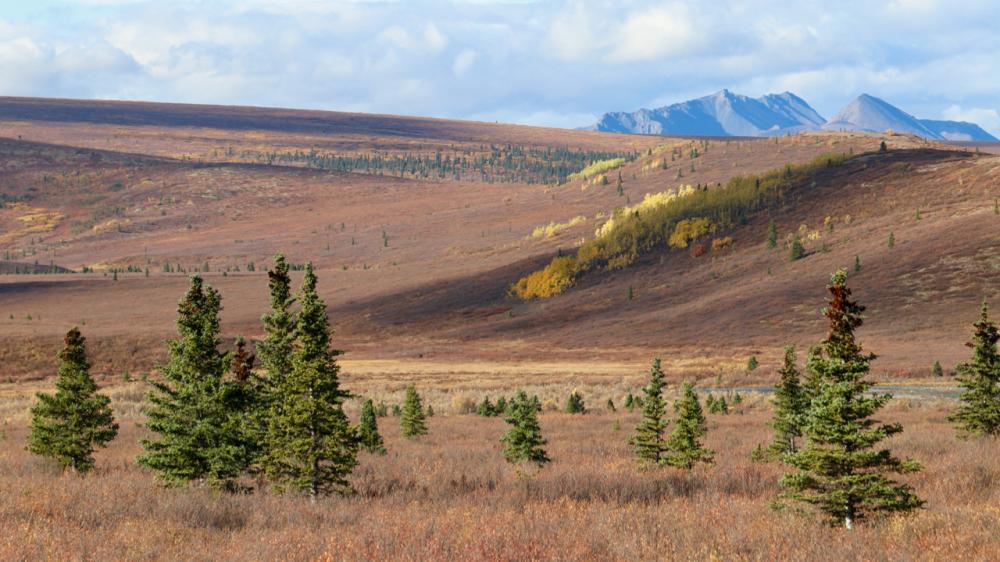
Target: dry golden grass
{"type": "Point", "coordinates": [451, 496]}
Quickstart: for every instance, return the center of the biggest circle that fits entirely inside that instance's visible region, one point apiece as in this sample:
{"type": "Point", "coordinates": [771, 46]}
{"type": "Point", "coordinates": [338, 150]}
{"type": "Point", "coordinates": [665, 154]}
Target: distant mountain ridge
{"type": "Point", "coordinates": [729, 114]}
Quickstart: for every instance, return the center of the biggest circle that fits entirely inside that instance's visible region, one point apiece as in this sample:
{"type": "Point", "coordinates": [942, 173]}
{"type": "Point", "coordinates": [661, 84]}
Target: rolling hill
{"type": "Point", "coordinates": [415, 261]}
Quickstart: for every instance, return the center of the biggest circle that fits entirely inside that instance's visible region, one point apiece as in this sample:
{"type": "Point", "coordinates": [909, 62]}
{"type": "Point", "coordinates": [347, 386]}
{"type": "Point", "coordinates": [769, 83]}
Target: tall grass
{"type": "Point", "coordinates": [452, 496]}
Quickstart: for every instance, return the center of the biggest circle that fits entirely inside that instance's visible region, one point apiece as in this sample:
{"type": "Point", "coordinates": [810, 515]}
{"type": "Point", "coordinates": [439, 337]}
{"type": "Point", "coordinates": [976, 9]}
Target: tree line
{"type": "Point", "coordinates": [213, 418]}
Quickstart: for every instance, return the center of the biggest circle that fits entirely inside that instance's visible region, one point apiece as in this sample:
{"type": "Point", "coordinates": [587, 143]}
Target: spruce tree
{"type": "Point", "coordinates": [772, 235]}
{"type": "Point", "coordinates": [523, 442]}
{"type": "Point", "coordinates": [411, 420]}
{"type": "Point", "coordinates": [684, 444]}
{"type": "Point", "coordinates": [275, 350]}
{"type": "Point", "coordinates": [684, 448]}
{"type": "Point", "coordinates": [979, 412]}
{"type": "Point", "coordinates": [648, 443]}
{"type": "Point", "coordinates": [311, 446]}
{"type": "Point", "coordinates": [189, 412]}
{"type": "Point", "coordinates": [575, 404]}
{"type": "Point", "coordinates": [839, 470]}
{"type": "Point", "coordinates": [789, 407]}
{"type": "Point", "coordinates": [68, 425]}
{"type": "Point", "coordinates": [368, 435]}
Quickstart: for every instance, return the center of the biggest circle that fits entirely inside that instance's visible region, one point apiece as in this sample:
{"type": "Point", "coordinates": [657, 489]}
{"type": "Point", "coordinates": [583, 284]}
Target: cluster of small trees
{"type": "Point", "coordinates": [213, 418]}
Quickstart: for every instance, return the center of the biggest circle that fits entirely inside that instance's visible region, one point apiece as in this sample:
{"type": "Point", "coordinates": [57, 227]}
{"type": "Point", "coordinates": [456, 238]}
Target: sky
{"type": "Point", "coordinates": [554, 63]}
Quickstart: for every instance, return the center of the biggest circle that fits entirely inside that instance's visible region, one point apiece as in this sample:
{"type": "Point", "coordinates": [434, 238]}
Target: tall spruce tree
{"type": "Point", "coordinates": [190, 409]}
{"type": "Point", "coordinates": [68, 425]}
{"type": "Point", "coordinates": [839, 470]}
{"type": "Point", "coordinates": [789, 407]}
{"type": "Point", "coordinates": [684, 445]}
{"type": "Point", "coordinates": [275, 350]}
{"type": "Point", "coordinates": [368, 436]}
{"type": "Point", "coordinates": [523, 442]}
{"type": "Point", "coordinates": [649, 443]}
{"type": "Point", "coordinates": [979, 412]}
{"type": "Point", "coordinates": [412, 421]}
{"type": "Point", "coordinates": [310, 444]}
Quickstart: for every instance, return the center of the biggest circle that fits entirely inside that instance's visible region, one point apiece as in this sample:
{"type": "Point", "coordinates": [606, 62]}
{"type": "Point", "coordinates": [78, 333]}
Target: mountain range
{"type": "Point", "coordinates": [727, 113]}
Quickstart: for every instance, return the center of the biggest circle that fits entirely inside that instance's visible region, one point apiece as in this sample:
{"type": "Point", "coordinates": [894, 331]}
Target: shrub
{"type": "Point", "coordinates": [688, 230]}
{"type": "Point", "coordinates": [722, 243]}
{"type": "Point", "coordinates": [553, 228]}
{"type": "Point", "coordinates": [553, 280]}
{"type": "Point", "coordinates": [797, 251]}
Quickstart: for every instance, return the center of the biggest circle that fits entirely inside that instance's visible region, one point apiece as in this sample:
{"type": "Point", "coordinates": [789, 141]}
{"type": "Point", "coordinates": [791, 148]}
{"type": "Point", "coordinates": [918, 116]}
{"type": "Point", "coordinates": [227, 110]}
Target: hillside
{"type": "Point", "coordinates": [417, 265]}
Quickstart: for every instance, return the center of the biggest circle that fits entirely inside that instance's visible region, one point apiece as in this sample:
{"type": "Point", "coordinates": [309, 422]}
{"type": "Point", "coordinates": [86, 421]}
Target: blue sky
{"type": "Point", "coordinates": [559, 63]}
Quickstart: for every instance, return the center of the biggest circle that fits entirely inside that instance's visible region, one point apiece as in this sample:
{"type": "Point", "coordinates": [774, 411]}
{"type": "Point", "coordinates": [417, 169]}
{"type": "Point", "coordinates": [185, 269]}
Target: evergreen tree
{"type": "Point", "coordinates": [839, 470]}
{"type": "Point", "coordinates": [684, 448]}
{"type": "Point", "coordinates": [311, 447]}
{"type": "Point", "coordinates": [275, 350]}
{"type": "Point", "coordinates": [68, 425]}
{"type": "Point", "coordinates": [772, 235]}
{"type": "Point", "coordinates": [486, 408]}
{"type": "Point", "coordinates": [937, 370]}
{"type": "Point", "coordinates": [629, 401]}
{"type": "Point", "coordinates": [752, 364]}
{"type": "Point", "coordinates": [241, 397]}
{"type": "Point", "coordinates": [648, 443]}
{"type": "Point", "coordinates": [789, 407]}
{"type": "Point", "coordinates": [523, 442]}
{"type": "Point", "coordinates": [189, 412]}
{"type": "Point", "coordinates": [574, 403]}
{"type": "Point", "coordinates": [430, 411]}
{"type": "Point", "coordinates": [501, 405]}
{"type": "Point", "coordinates": [368, 435]}
{"type": "Point", "coordinates": [857, 264]}
{"type": "Point", "coordinates": [411, 421]}
{"type": "Point", "coordinates": [979, 412]}
{"type": "Point", "coordinates": [797, 250]}
{"type": "Point", "coordinates": [611, 405]}
{"type": "Point", "coordinates": [892, 240]}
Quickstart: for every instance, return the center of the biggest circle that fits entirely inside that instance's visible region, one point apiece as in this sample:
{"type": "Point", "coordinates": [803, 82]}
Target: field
{"type": "Point", "coordinates": [418, 228]}
{"type": "Point", "coordinates": [451, 495]}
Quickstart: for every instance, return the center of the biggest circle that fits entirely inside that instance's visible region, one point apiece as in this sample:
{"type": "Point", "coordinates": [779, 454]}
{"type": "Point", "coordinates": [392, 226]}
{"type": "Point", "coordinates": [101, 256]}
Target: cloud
{"type": "Point", "coordinates": [985, 117]}
{"type": "Point", "coordinates": [523, 61]}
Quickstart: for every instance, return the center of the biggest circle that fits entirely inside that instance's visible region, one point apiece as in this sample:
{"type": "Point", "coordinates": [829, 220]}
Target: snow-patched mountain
{"type": "Point", "coordinates": [728, 114]}
{"type": "Point", "coordinates": [721, 114]}
{"type": "Point", "coordinates": [870, 114]}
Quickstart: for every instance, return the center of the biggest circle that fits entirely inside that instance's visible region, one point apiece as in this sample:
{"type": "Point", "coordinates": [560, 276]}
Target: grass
{"type": "Point", "coordinates": [553, 228]}
{"type": "Point", "coordinates": [451, 495]}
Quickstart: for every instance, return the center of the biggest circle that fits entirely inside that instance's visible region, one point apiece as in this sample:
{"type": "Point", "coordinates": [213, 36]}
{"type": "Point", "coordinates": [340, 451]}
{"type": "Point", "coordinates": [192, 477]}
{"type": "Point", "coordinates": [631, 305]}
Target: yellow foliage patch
{"type": "Point", "coordinates": [553, 228]}
{"type": "Point", "coordinates": [554, 279]}
{"type": "Point", "coordinates": [688, 230]}
{"type": "Point", "coordinates": [597, 168]}
{"type": "Point", "coordinates": [722, 243]}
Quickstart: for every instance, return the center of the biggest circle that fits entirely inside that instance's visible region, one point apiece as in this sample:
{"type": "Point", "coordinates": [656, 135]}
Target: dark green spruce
{"type": "Point", "coordinates": [684, 444]}
{"type": "Point", "coordinates": [310, 445]}
{"type": "Point", "coordinates": [523, 443]}
{"type": "Point", "coordinates": [979, 411]}
{"type": "Point", "coordinates": [189, 413]}
{"type": "Point", "coordinates": [412, 422]}
{"type": "Point", "coordinates": [649, 443]}
{"type": "Point", "coordinates": [841, 470]}
{"type": "Point", "coordinates": [368, 436]}
{"type": "Point", "coordinates": [789, 407]}
{"type": "Point", "coordinates": [67, 426]}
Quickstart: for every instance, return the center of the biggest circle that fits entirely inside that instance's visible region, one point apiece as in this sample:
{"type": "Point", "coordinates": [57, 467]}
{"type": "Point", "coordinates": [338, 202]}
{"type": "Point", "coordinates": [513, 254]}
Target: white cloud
{"type": "Point", "coordinates": [463, 62]}
{"type": "Point", "coordinates": [532, 61]}
{"type": "Point", "coordinates": [987, 118]}
{"type": "Point", "coordinates": [656, 33]}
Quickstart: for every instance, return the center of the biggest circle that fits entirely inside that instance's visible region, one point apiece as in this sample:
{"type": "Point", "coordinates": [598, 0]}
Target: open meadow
{"type": "Point", "coordinates": [450, 495]}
